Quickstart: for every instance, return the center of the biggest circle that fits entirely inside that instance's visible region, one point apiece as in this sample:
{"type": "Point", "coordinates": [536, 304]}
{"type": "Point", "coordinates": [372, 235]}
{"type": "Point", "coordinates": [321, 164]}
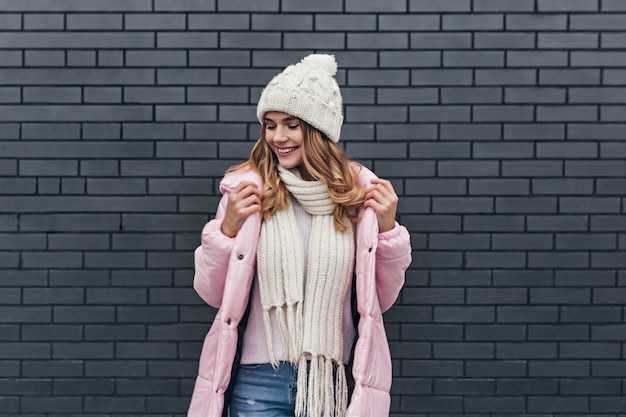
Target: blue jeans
{"type": "Point", "coordinates": [262, 391]}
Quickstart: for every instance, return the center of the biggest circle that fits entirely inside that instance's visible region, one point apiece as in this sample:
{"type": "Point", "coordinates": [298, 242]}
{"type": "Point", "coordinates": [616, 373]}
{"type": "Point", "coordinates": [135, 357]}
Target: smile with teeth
{"type": "Point", "coordinates": [285, 151]}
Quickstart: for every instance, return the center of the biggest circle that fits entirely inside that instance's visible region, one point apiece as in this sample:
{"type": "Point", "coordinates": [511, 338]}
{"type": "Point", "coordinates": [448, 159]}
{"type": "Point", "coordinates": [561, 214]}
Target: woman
{"type": "Point", "coordinates": [299, 227]}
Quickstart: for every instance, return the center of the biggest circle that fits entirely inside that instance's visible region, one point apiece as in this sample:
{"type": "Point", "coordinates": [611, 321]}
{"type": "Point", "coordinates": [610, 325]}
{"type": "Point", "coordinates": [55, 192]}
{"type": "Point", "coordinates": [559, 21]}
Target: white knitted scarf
{"type": "Point", "coordinates": [309, 314]}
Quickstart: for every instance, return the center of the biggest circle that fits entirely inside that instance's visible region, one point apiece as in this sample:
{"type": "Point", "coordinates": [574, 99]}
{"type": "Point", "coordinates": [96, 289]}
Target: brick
{"type": "Point", "coordinates": [151, 168]}
{"type": "Point", "coordinates": [152, 241]}
{"type": "Point", "coordinates": [440, 41]}
{"type": "Point", "coordinates": [584, 278]}
{"type": "Point", "coordinates": [595, 59]}
{"type": "Point", "coordinates": [589, 205]}
{"type": "Point", "coordinates": [81, 58]}
{"type": "Point", "coordinates": [73, 113]}
{"type": "Point", "coordinates": [534, 95]}
{"type": "Point", "coordinates": [70, 222]}
{"type": "Point", "coordinates": [68, 241]}
{"type": "Point", "coordinates": [517, 386]}
{"type": "Point", "coordinates": [500, 223]}
{"type": "Point", "coordinates": [186, 149]}
{"type": "Point", "coordinates": [430, 77]}
{"type": "Point", "coordinates": [462, 205]}
{"type": "Point", "coordinates": [559, 368]}
{"type": "Point", "coordinates": [83, 350]}
{"type": "Point", "coordinates": [114, 404]}
{"type": "Point", "coordinates": [499, 368]}
{"type": "Point", "coordinates": [100, 21]}
{"type": "Point", "coordinates": [115, 368]}
{"type": "Point", "coordinates": [580, 350]}
{"type": "Point", "coordinates": [611, 186]}
{"type": "Point", "coordinates": [495, 404]}
{"type": "Point", "coordinates": [48, 168]}
{"type": "Point", "coordinates": [570, 150]}
{"type": "Point", "coordinates": [53, 296]}
{"type": "Point", "coordinates": [186, 76]}
{"type": "Point", "coordinates": [505, 77]}
{"type": "Point", "coordinates": [504, 40]}
{"type": "Point", "coordinates": [83, 314]}
{"type": "Point", "coordinates": [24, 350]}
{"type": "Point", "coordinates": [186, 6]}
{"type": "Point", "coordinates": [83, 40]}
{"type": "Point", "coordinates": [283, 21]}
{"type": "Point", "coordinates": [154, 21]}
{"type": "Point", "coordinates": [497, 296]}
{"type": "Point", "coordinates": [37, 21]}
{"type": "Point", "coordinates": [390, 169]}
{"type": "Point", "coordinates": [467, 168]}
{"type": "Point", "coordinates": [591, 386]}
{"type": "Point", "coordinates": [504, 6]}
{"type": "Point", "coordinates": [570, 6]}
{"type": "Point", "coordinates": [434, 404]}
{"type": "Point", "coordinates": [612, 150]}
{"type": "Point", "coordinates": [473, 59]}
{"type": "Point", "coordinates": [495, 332]}
{"type": "Point", "coordinates": [44, 58]}
{"type": "Point", "coordinates": [558, 223]}
{"type": "Point", "coordinates": [608, 368]}
{"type": "Point", "coordinates": [465, 314]}
{"type": "Point", "coordinates": [473, 22]}
{"type": "Point", "coordinates": [83, 386]}
{"type": "Point", "coordinates": [567, 40]}
{"type": "Point", "coordinates": [135, 278]}
{"type": "Point", "coordinates": [495, 259]}
{"type": "Point", "coordinates": [25, 387]}
{"type": "Point", "coordinates": [613, 76]}
{"type": "Point", "coordinates": [562, 186]}
{"type": "Point", "coordinates": [439, 113]}
{"type": "Point", "coordinates": [586, 241]}
{"type": "Point", "coordinates": [362, 114]}
{"type": "Point", "coordinates": [87, 204]}
{"type": "Point", "coordinates": [51, 95]}
{"type": "Point", "coordinates": [218, 21]}
{"type": "Point", "coordinates": [498, 187]}
{"type": "Point", "coordinates": [561, 404]}
{"type": "Point", "coordinates": [466, 350]}
{"type": "Point", "coordinates": [436, 187]}
{"type": "Point", "coordinates": [527, 131]}
{"type": "Point", "coordinates": [236, 113]}
{"type": "Point", "coordinates": [52, 369]}
{"type": "Point", "coordinates": [52, 404]}
{"type": "Point", "coordinates": [612, 113]}
{"type": "Point", "coordinates": [439, 150]}
{"type": "Point", "coordinates": [305, 6]}
{"type": "Point", "coordinates": [405, 95]}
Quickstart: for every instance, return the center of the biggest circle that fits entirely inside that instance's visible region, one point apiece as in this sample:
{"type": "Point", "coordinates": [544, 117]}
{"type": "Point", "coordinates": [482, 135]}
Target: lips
{"type": "Point", "coordinates": [286, 151]}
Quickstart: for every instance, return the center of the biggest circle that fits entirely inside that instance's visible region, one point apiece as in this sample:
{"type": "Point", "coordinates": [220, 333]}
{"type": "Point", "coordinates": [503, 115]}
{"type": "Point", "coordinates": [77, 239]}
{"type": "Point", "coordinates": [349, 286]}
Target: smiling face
{"type": "Point", "coordinates": [284, 135]}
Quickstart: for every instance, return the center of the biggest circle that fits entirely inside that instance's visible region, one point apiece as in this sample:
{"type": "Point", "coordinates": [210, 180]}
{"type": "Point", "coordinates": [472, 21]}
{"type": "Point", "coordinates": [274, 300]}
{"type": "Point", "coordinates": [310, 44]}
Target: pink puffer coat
{"type": "Point", "coordinates": [224, 270]}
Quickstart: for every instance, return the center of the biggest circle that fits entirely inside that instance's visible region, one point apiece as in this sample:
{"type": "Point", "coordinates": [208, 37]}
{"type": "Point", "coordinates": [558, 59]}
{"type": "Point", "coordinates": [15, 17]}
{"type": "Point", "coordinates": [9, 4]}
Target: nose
{"type": "Point", "coordinates": [281, 134]}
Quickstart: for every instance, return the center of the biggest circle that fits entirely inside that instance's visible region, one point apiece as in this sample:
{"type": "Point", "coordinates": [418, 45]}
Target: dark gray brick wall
{"type": "Point", "coordinates": [500, 122]}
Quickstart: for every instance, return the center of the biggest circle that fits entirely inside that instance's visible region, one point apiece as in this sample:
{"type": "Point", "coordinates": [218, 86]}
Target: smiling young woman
{"type": "Point", "coordinates": [299, 227]}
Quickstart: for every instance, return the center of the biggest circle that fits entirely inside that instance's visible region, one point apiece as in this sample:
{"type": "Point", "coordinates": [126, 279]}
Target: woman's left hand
{"type": "Point", "coordinates": [383, 199]}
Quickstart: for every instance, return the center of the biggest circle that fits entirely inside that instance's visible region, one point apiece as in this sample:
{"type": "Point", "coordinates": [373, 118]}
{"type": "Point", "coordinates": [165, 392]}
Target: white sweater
{"type": "Point", "coordinates": [254, 342]}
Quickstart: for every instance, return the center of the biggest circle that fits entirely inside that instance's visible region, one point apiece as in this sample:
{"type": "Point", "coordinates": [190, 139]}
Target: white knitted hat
{"type": "Point", "coordinates": [307, 90]}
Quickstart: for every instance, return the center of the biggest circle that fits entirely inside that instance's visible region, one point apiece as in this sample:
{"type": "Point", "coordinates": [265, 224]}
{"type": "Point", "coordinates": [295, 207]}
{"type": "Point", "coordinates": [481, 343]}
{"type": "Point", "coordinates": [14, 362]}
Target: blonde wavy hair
{"type": "Point", "coordinates": [324, 160]}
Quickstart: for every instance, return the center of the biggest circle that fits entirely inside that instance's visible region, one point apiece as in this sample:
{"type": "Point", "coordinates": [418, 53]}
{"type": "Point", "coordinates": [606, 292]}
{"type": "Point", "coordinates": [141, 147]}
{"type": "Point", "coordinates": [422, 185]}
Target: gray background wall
{"type": "Point", "coordinates": [500, 122]}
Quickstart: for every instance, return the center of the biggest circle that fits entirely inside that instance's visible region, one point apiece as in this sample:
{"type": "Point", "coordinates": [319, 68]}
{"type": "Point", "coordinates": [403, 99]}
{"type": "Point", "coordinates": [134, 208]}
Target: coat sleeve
{"type": "Point", "coordinates": [211, 259]}
{"type": "Point", "coordinates": [393, 257]}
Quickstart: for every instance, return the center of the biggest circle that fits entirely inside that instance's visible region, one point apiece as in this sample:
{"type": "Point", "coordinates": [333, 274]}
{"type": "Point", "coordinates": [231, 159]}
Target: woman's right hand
{"type": "Point", "coordinates": [244, 200]}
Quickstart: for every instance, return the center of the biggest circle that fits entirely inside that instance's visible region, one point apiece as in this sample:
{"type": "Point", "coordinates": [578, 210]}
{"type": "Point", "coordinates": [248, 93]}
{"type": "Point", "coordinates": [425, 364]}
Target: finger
{"type": "Point", "coordinates": [244, 185]}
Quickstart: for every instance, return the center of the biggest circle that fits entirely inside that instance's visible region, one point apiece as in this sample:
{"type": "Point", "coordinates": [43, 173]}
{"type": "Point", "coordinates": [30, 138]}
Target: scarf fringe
{"type": "Point", "coordinates": [316, 396]}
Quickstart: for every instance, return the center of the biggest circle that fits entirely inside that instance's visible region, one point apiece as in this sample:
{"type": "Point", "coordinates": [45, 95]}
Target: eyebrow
{"type": "Point", "coordinates": [286, 119]}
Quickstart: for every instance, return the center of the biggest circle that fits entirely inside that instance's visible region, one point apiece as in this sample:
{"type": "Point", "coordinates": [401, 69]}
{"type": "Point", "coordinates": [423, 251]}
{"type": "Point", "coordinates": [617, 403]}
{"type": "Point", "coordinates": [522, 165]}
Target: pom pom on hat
{"type": "Point", "coordinates": [323, 61]}
{"type": "Point", "coordinates": [309, 91]}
